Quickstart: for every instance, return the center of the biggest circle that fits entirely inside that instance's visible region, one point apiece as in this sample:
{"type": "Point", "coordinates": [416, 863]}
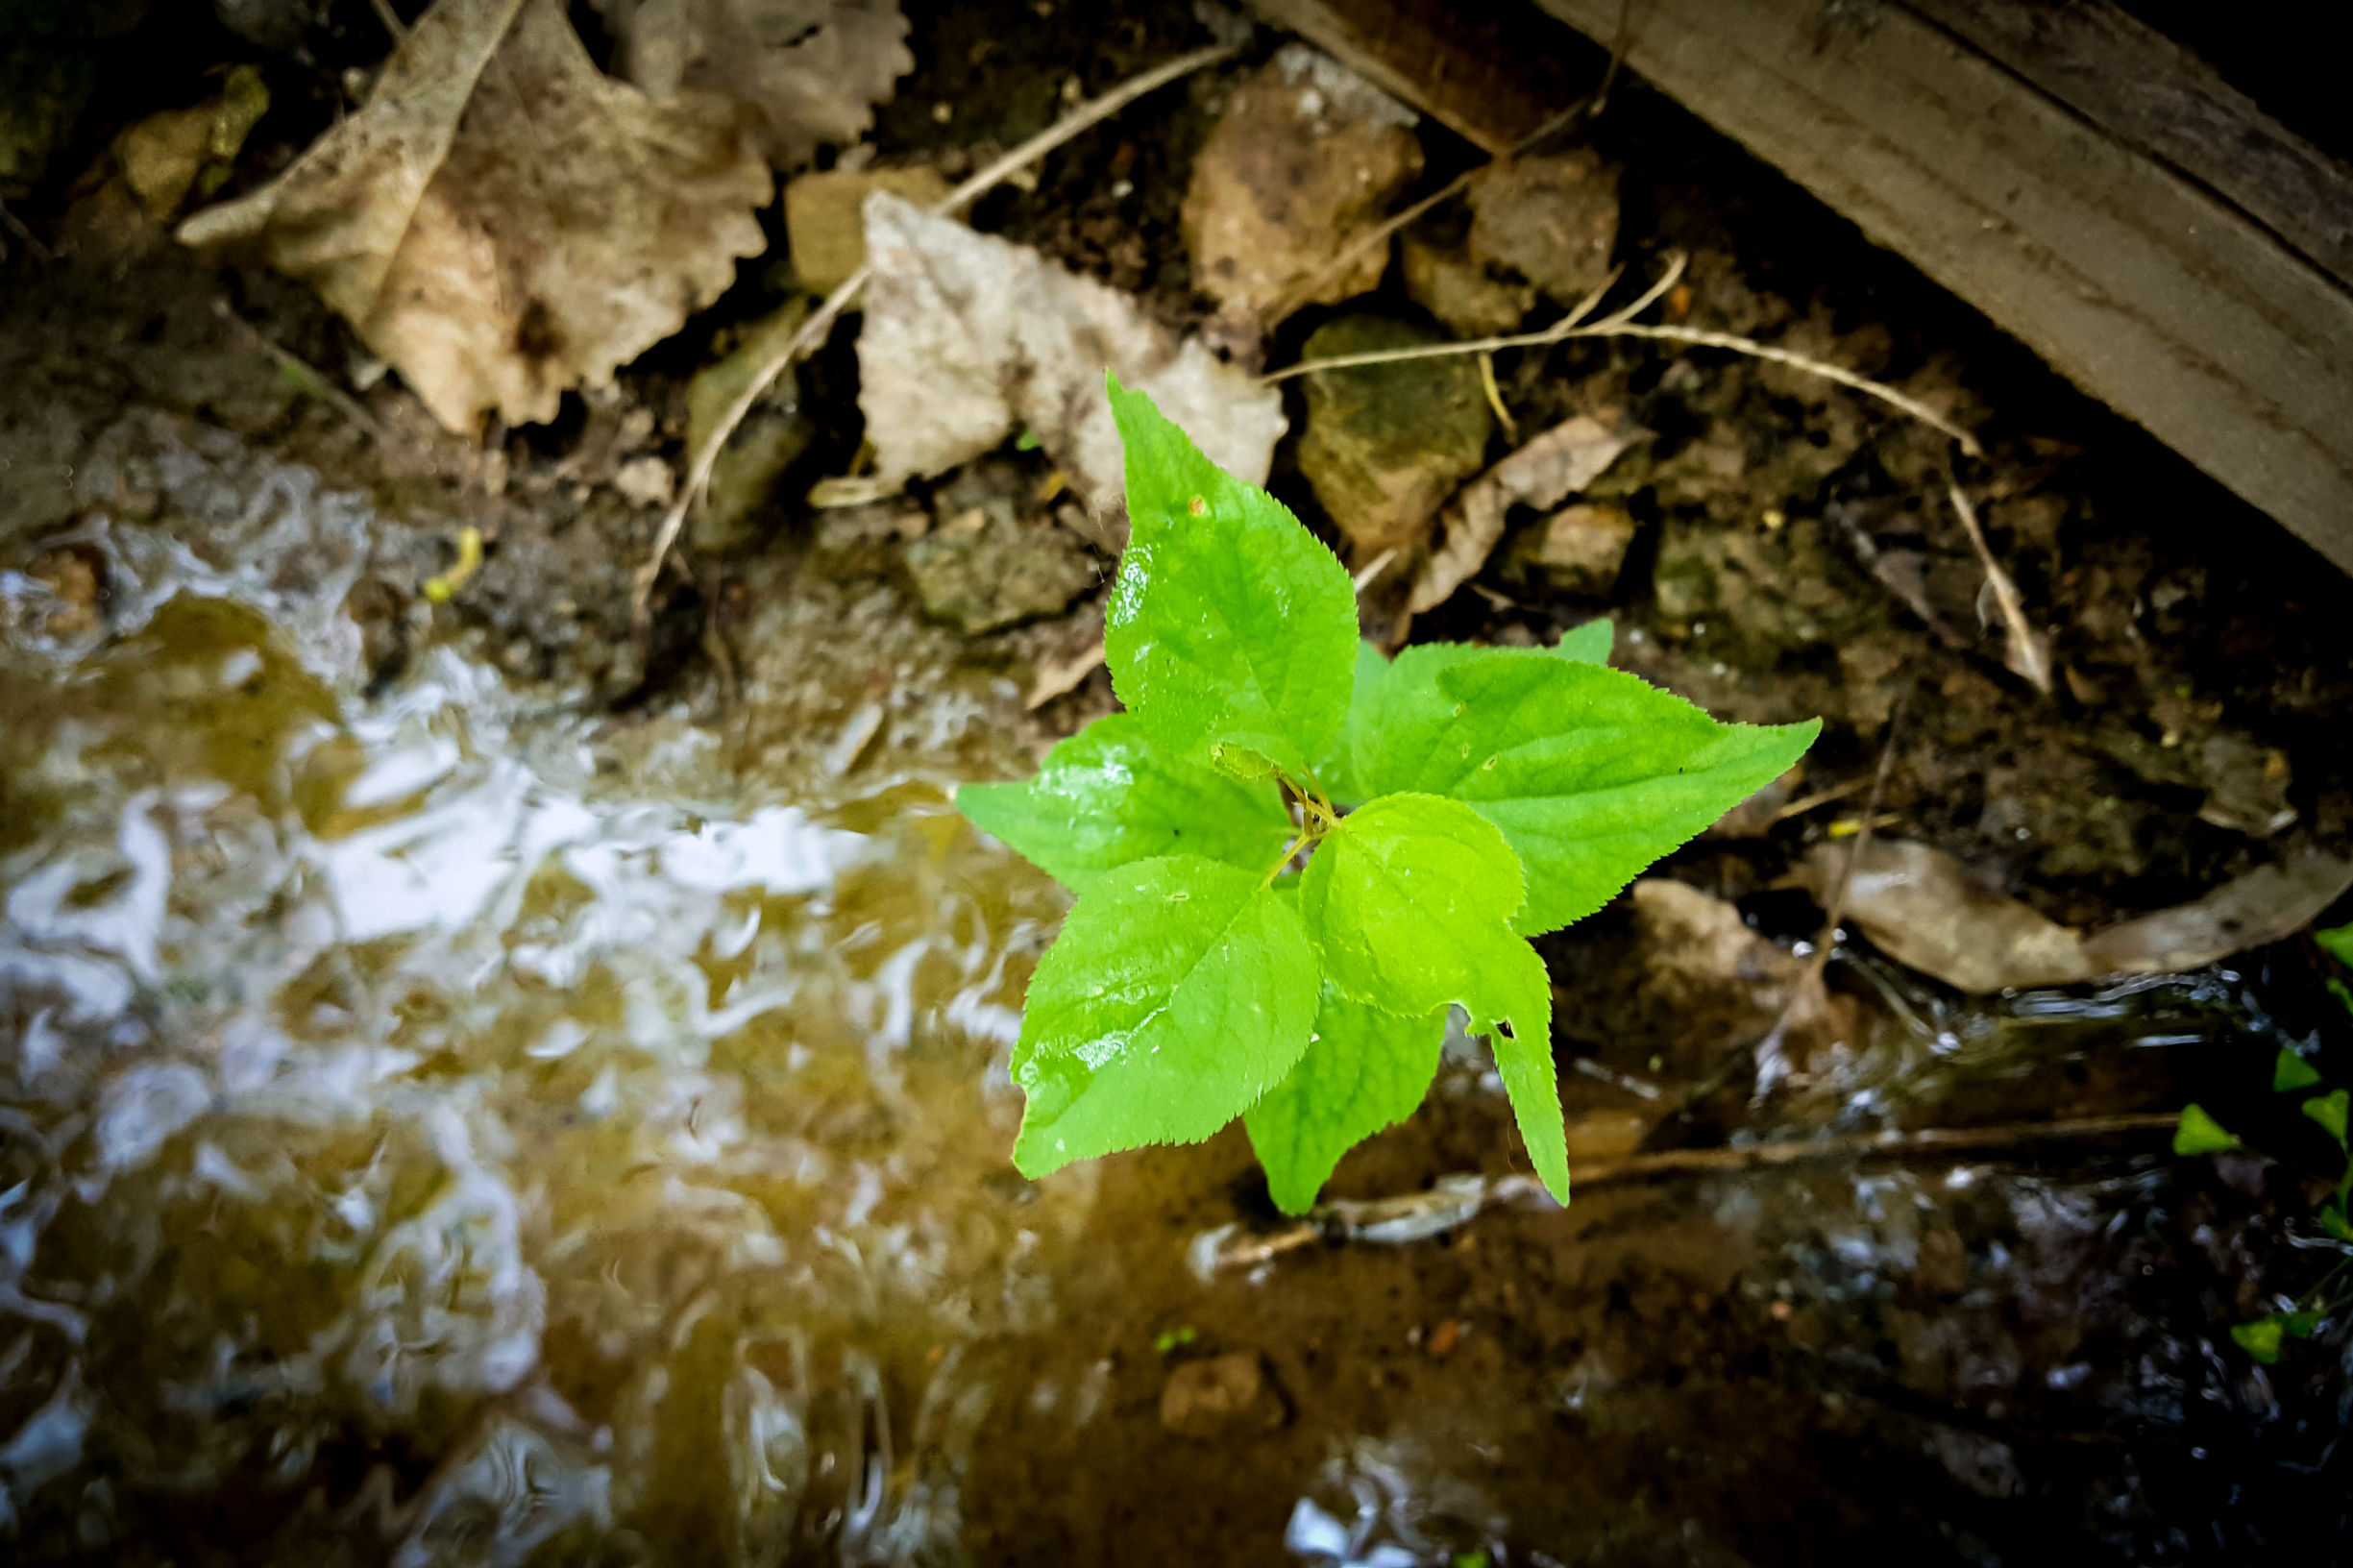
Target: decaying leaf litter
{"type": "Point", "coordinates": [1771, 545]}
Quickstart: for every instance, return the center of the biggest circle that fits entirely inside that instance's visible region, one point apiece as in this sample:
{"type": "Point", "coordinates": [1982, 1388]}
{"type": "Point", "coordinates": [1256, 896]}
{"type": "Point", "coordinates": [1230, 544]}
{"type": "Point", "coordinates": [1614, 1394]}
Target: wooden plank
{"type": "Point", "coordinates": [2148, 92]}
{"type": "Point", "coordinates": [1490, 73]}
{"type": "Point", "coordinates": [2154, 295]}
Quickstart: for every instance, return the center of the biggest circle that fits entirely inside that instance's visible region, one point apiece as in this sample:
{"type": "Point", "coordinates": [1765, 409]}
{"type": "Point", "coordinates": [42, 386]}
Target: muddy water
{"type": "Point", "coordinates": [439, 1126]}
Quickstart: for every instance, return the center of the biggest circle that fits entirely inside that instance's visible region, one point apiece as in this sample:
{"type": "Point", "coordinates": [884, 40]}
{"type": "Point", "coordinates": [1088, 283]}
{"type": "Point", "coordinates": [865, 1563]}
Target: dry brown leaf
{"type": "Point", "coordinates": [1542, 474]}
{"type": "Point", "coordinates": [2268, 904]}
{"type": "Point", "coordinates": [1925, 908]}
{"type": "Point", "coordinates": [968, 339]}
{"type": "Point", "coordinates": [812, 69]}
{"type": "Point", "coordinates": [501, 222]}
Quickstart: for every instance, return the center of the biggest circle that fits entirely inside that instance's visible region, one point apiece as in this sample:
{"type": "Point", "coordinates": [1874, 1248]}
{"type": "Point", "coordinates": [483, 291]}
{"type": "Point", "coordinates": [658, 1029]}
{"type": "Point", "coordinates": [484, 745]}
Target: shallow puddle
{"type": "Point", "coordinates": [442, 1126]}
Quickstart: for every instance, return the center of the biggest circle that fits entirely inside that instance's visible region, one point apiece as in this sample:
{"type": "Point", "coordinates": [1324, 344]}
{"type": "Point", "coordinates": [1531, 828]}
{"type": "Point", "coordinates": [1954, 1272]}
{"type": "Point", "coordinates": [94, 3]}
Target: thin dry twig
{"type": "Point", "coordinates": [390, 21]}
{"type": "Point", "coordinates": [312, 379]}
{"type": "Point", "coordinates": [813, 330]}
{"type": "Point", "coordinates": [2026, 650]}
{"type": "Point", "coordinates": [15, 225]}
{"type": "Point", "coordinates": [1621, 323]}
{"type": "Point", "coordinates": [1336, 1222]}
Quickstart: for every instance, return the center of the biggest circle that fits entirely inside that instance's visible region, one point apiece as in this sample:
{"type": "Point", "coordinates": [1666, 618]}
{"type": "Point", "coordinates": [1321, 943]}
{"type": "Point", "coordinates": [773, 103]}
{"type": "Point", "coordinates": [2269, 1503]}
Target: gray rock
{"type": "Point", "coordinates": [1385, 445]}
{"type": "Point", "coordinates": [1225, 1396]}
{"type": "Point", "coordinates": [1580, 550]}
{"type": "Point", "coordinates": [1553, 220]}
{"type": "Point", "coordinates": [981, 573]}
{"type": "Point", "coordinates": [1306, 157]}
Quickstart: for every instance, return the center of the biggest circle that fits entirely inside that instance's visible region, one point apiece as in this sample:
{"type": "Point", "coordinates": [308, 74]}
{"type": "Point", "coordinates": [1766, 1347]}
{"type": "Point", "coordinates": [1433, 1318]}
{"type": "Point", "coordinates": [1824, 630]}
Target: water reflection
{"type": "Point", "coordinates": [411, 1125]}
{"type": "Point", "coordinates": [438, 1127]}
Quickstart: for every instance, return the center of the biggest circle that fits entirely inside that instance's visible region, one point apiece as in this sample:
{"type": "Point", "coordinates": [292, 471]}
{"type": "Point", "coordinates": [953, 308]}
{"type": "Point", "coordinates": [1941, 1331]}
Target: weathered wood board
{"type": "Point", "coordinates": [2168, 301]}
{"type": "Point", "coordinates": [2090, 187]}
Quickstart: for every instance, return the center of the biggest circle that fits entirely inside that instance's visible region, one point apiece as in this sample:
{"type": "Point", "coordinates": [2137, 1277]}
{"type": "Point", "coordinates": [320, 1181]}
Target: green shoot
{"type": "Point", "coordinates": [1293, 856]}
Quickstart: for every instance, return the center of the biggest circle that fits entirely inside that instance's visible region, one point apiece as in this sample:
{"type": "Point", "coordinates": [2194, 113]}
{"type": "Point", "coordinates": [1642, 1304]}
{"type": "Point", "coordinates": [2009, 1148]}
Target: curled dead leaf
{"type": "Point", "coordinates": [970, 339]}
{"type": "Point", "coordinates": [1542, 474]}
{"type": "Point", "coordinates": [502, 222]}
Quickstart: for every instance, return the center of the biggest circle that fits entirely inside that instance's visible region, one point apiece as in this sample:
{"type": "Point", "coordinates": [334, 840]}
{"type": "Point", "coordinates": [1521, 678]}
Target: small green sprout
{"type": "Point", "coordinates": [1293, 856]}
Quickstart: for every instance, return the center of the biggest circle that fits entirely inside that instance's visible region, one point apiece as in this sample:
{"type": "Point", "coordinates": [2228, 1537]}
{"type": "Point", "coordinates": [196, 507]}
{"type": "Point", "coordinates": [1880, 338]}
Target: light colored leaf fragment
{"type": "Point", "coordinates": [813, 70]}
{"type": "Point", "coordinates": [1544, 473]}
{"type": "Point", "coordinates": [1230, 626]}
{"type": "Point", "coordinates": [501, 222]}
{"type": "Point", "coordinates": [968, 339]}
{"type": "Point", "coordinates": [1588, 644]}
{"type": "Point", "coordinates": [1107, 797]}
{"type": "Point", "coordinates": [1365, 1069]}
{"type": "Point", "coordinates": [1180, 992]}
{"type": "Point", "coordinates": [1409, 903]}
{"type": "Point", "coordinates": [1592, 773]}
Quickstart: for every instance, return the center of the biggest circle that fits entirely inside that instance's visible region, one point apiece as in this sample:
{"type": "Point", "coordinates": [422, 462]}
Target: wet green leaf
{"type": "Point", "coordinates": [2200, 1134]}
{"type": "Point", "coordinates": [2259, 1340]}
{"type": "Point", "coordinates": [1108, 797]}
{"type": "Point", "coordinates": [1592, 773]}
{"type": "Point", "coordinates": [1334, 768]}
{"type": "Point", "coordinates": [1365, 1069]}
{"type": "Point", "coordinates": [2329, 1111]}
{"type": "Point", "coordinates": [2290, 1072]}
{"type": "Point", "coordinates": [1409, 903]}
{"type": "Point", "coordinates": [1230, 625]}
{"type": "Point", "coordinates": [1180, 992]}
{"type": "Point", "coordinates": [1588, 644]}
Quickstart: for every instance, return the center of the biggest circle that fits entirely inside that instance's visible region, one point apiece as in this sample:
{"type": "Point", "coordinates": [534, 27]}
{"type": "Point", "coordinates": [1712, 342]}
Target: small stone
{"type": "Point", "coordinates": [1580, 548]}
{"type": "Point", "coordinates": [645, 480]}
{"type": "Point", "coordinates": [1000, 574]}
{"type": "Point", "coordinates": [736, 509]}
{"type": "Point", "coordinates": [1553, 220]}
{"type": "Point", "coordinates": [1304, 160]}
{"type": "Point", "coordinates": [1385, 445]}
{"type": "Point", "coordinates": [824, 219]}
{"type": "Point", "coordinates": [1445, 281]}
{"type": "Point", "coordinates": [1224, 1396]}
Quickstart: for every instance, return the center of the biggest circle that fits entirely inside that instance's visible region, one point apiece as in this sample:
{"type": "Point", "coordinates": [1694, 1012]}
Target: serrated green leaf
{"type": "Point", "coordinates": [2200, 1134]}
{"type": "Point", "coordinates": [1365, 1069]}
{"type": "Point", "coordinates": [1410, 901]}
{"type": "Point", "coordinates": [1333, 768]}
{"type": "Point", "coordinates": [2336, 943]}
{"type": "Point", "coordinates": [2330, 1111]}
{"type": "Point", "coordinates": [2259, 1340]}
{"type": "Point", "coordinates": [1180, 992]}
{"type": "Point", "coordinates": [1591, 774]}
{"type": "Point", "coordinates": [1229, 624]}
{"type": "Point", "coordinates": [1588, 644]}
{"type": "Point", "coordinates": [2290, 1072]}
{"type": "Point", "coordinates": [1108, 797]}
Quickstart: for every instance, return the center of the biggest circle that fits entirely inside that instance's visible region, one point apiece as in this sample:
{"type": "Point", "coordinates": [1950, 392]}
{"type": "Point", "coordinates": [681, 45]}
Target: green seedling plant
{"type": "Point", "coordinates": [2200, 1133]}
{"type": "Point", "coordinates": [1293, 856]}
